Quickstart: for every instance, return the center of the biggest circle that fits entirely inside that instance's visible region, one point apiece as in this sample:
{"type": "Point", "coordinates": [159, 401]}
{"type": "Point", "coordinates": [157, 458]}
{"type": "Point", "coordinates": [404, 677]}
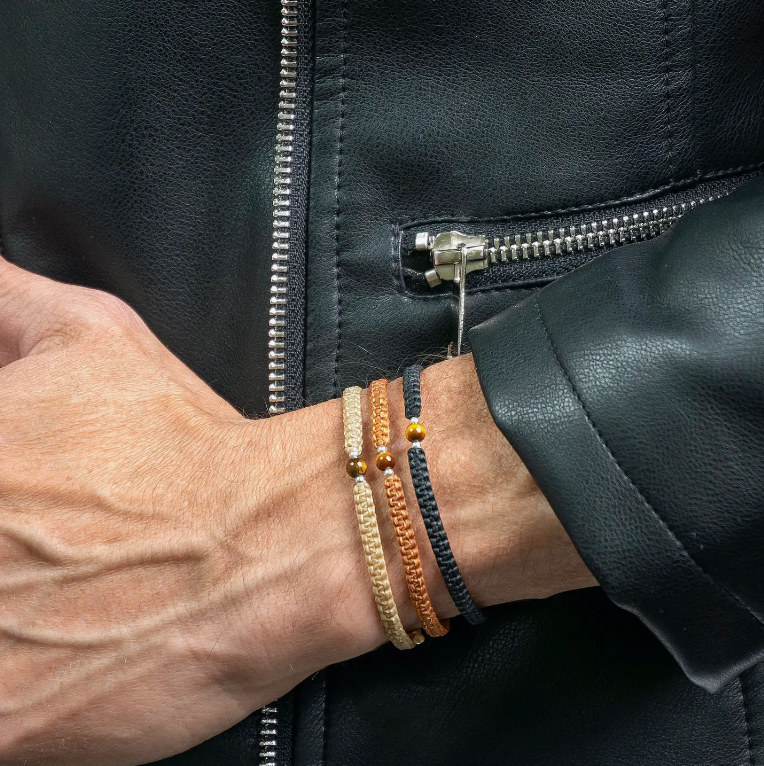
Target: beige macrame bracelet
{"type": "Point", "coordinates": [367, 524]}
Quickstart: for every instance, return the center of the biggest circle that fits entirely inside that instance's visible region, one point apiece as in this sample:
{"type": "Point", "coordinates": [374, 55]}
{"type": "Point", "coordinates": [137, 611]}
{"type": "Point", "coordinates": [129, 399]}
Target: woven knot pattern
{"type": "Point", "coordinates": [380, 414]}
{"type": "Point", "coordinates": [375, 562]}
{"type": "Point", "coordinates": [412, 564]}
{"type": "Point", "coordinates": [420, 478]}
{"type": "Point", "coordinates": [412, 397]}
{"type": "Point", "coordinates": [352, 420]}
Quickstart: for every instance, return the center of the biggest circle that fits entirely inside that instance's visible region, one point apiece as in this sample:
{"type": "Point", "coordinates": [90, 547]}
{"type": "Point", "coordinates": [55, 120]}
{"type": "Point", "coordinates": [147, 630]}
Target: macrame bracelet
{"type": "Point", "coordinates": [420, 477]}
{"type": "Point", "coordinates": [367, 523]}
{"type": "Point", "coordinates": [396, 502]}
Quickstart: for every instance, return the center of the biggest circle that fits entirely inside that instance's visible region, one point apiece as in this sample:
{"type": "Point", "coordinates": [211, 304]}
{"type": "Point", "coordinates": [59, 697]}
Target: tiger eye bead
{"type": "Point", "coordinates": [356, 467]}
{"type": "Point", "coordinates": [415, 432]}
{"type": "Point", "coordinates": [384, 460]}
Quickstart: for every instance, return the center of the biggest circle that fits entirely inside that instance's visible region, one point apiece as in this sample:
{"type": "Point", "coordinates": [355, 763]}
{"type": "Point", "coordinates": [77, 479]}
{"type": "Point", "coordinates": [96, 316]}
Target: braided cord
{"type": "Point", "coordinates": [352, 420]}
{"type": "Point", "coordinates": [380, 414]}
{"type": "Point", "coordinates": [412, 396]}
{"type": "Point", "coordinates": [412, 564]}
{"type": "Point", "coordinates": [396, 502]}
{"type": "Point", "coordinates": [367, 524]}
{"type": "Point", "coordinates": [375, 561]}
{"type": "Point", "coordinates": [420, 478]}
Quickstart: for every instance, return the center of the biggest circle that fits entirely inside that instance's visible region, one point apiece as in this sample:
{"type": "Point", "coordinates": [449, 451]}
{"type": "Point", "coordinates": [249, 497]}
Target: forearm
{"type": "Point", "coordinates": [200, 562]}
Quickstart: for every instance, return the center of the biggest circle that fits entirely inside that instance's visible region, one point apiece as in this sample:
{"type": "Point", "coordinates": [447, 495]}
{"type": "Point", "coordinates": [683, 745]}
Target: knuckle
{"type": "Point", "coordinates": [59, 332]}
{"type": "Point", "coordinates": [100, 311]}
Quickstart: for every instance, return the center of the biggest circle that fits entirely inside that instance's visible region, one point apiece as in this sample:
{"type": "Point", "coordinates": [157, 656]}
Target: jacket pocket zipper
{"type": "Point", "coordinates": [513, 253]}
{"type": "Point", "coordinates": [453, 254]}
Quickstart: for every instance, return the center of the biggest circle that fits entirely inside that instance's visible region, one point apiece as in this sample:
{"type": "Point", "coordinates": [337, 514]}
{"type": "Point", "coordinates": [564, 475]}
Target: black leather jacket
{"type": "Point", "coordinates": [137, 144]}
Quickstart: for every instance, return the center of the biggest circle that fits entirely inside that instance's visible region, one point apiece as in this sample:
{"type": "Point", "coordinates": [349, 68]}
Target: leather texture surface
{"type": "Point", "coordinates": [633, 389]}
{"type": "Point", "coordinates": [434, 110]}
{"type": "Point", "coordinates": [520, 689]}
{"type": "Point", "coordinates": [136, 155]}
{"type": "Point", "coordinates": [465, 113]}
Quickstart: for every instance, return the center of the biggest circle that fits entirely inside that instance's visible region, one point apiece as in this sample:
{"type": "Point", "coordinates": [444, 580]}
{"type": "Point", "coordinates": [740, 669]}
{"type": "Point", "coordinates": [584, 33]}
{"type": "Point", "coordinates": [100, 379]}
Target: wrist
{"type": "Point", "coordinates": [507, 541]}
{"type": "Point", "coordinates": [298, 543]}
{"type": "Point", "coordinates": [297, 548]}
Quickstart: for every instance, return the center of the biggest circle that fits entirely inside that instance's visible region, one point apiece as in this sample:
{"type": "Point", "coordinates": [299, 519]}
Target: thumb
{"type": "Point", "coordinates": [32, 309]}
{"type": "Point", "coordinates": [37, 312]}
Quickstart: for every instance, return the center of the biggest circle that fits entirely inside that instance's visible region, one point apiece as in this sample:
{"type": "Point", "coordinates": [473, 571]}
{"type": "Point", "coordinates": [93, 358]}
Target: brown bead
{"type": "Point", "coordinates": [415, 432]}
{"type": "Point", "coordinates": [356, 466]}
{"type": "Point", "coordinates": [384, 460]}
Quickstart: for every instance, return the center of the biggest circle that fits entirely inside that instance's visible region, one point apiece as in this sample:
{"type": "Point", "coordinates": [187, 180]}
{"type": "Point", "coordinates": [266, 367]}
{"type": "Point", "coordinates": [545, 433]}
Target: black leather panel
{"type": "Point", "coordinates": [728, 92]}
{"type": "Point", "coordinates": [633, 390]}
{"type": "Point", "coordinates": [571, 680]}
{"type": "Point", "coordinates": [136, 155]}
{"type": "Point", "coordinates": [243, 744]}
{"type": "Point", "coordinates": [325, 211]}
{"type": "Point", "coordinates": [310, 721]}
{"type": "Point", "coordinates": [434, 110]}
{"type": "Point", "coordinates": [469, 111]}
{"type": "Point", "coordinates": [752, 693]}
{"type": "Point", "coordinates": [239, 746]}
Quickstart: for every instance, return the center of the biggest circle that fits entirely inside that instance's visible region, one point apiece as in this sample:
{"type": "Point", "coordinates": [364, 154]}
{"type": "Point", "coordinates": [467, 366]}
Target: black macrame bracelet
{"type": "Point", "coordinates": [420, 477]}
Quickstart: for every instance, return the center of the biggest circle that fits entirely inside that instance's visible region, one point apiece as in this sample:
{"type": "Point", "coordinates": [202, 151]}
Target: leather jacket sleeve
{"type": "Point", "coordinates": [633, 389]}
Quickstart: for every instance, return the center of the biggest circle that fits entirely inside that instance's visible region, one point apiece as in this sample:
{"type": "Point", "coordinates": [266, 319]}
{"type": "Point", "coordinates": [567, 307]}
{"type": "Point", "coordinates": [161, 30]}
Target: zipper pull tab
{"type": "Point", "coordinates": [453, 256]}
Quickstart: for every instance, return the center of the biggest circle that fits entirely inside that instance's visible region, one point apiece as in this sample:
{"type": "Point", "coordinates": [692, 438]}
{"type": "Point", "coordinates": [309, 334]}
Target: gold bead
{"type": "Point", "coordinates": [384, 460]}
{"type": "Point", "coordinates": [415, 432]}
{"type": "Point", "coordinates": [356, 467]}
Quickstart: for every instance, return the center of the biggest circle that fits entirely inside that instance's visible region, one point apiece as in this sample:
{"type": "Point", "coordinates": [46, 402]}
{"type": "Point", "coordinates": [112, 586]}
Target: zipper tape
{"type": "Point", "coordinates": [282, 207]}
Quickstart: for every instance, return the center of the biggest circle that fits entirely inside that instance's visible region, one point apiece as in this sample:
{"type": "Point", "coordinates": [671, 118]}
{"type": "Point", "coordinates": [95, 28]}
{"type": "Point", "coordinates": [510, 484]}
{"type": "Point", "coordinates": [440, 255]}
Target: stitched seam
{"type": "Point", "coordinates": [693, 73]}
{"type": "Point", "coordinates": [642, 196]}
{"type": "Point", "coordinates": [623, 473]}
{"type": "Point", "coordinates": [667, 91]}
{"type": "Point", "coordinates": [532, 284]}
{"type": "Point", "coordinates": [337, 210]}
{"type": "Point", "coordinates": [747, 718]}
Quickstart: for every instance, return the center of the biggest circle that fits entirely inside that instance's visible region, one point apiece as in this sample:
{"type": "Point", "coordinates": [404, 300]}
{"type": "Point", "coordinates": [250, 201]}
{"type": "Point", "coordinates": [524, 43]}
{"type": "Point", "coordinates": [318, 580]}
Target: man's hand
{"type": "Point", "coordinates": [167, 566]}
{"type": "Point", "coordinates": [126, 609]}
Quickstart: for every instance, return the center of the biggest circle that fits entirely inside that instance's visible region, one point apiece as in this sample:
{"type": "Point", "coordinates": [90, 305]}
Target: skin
{"type": "Point", "coordinates": [167, 566]}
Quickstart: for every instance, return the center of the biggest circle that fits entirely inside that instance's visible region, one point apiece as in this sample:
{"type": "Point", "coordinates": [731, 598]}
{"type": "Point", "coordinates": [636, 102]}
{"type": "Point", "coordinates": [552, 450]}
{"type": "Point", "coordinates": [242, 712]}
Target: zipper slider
{"type": "Point", "coordinates": [454, 255]}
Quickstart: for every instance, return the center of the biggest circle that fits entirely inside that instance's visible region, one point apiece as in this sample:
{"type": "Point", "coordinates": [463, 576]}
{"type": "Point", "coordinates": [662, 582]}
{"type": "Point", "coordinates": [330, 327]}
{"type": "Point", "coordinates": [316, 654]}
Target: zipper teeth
{"type": "Point", "coordinates": [593, 235]}
{"type": "Point", "coordinates": [277, 303]}
{"type": "Point", "coordinates": [269, 723]}
{"type": "Point", "coordinates": [282, 208]}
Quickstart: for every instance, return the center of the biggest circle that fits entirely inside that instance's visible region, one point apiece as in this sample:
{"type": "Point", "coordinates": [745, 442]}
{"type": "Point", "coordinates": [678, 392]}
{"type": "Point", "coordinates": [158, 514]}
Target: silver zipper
{"type": "Point", "coordinates": [282, 208]}
{"type": "Point", "coordinates": [453, 255]}
{"type": "Point", "coordinates": [269, 723]}
{"type": "Point", "coordinates": [277, 304]}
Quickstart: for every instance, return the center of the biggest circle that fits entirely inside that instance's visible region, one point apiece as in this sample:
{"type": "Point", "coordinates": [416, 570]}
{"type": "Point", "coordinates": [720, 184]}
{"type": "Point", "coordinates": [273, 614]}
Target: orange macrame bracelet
{"type": "Point", "coordinates": [396, 502]}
